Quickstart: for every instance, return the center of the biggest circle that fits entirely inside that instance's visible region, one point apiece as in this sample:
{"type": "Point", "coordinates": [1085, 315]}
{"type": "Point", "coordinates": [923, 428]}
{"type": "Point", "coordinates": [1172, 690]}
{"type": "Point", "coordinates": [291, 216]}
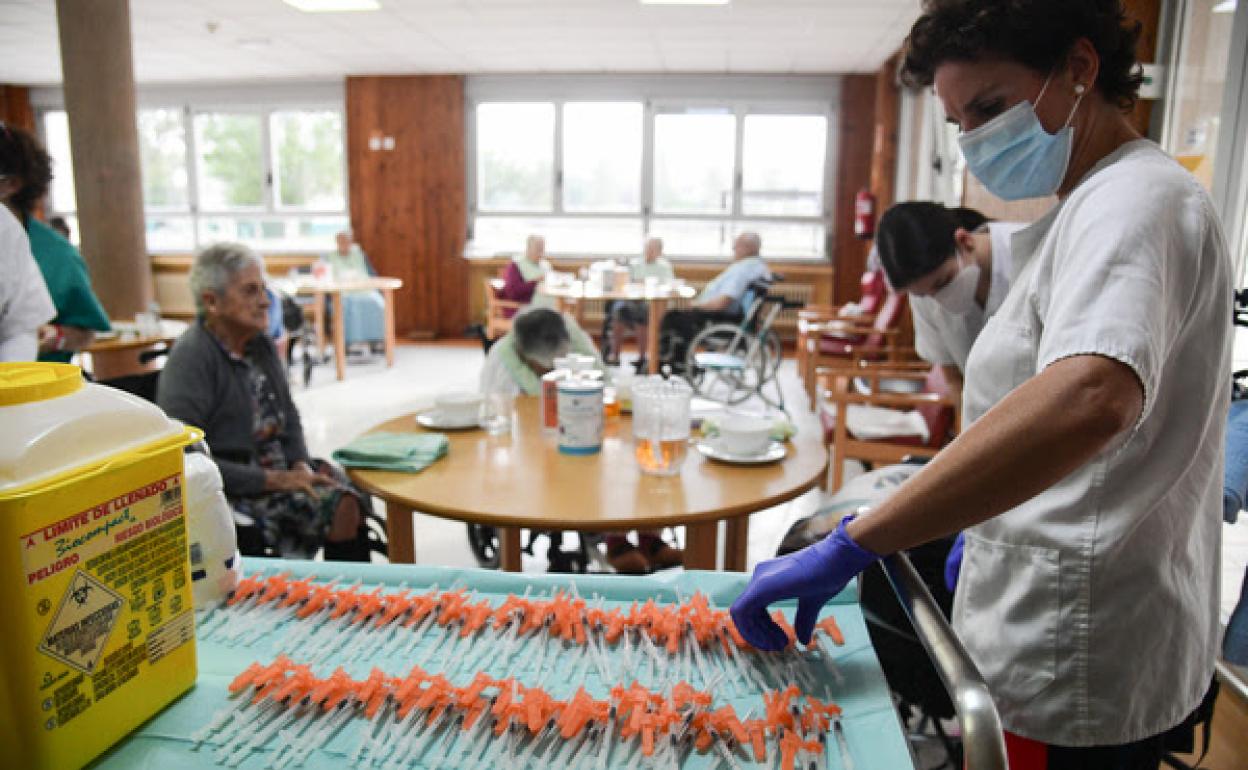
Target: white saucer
{"type": "Point", "coordinates": [436, 420]}
{"type": "Point", "coordinates": [710, 447]}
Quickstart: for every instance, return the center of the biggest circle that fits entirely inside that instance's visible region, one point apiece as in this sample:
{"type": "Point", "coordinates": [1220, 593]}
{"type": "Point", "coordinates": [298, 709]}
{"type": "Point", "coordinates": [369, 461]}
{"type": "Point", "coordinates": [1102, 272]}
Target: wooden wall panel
{"type": "Point", "coordinates": [408, 203]}
{"type": "Point", "coordinates": [884, 141]}
{"type": "Point", "coordinates": [15, 109]}
{"type": "Point", "coordinates": [1148, 13]}
{"type": "Point", "coordinates": [854, 157]}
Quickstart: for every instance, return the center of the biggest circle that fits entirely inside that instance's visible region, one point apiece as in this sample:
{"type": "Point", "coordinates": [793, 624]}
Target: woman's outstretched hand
{"type": "Point", "coordinates": [813, 575]}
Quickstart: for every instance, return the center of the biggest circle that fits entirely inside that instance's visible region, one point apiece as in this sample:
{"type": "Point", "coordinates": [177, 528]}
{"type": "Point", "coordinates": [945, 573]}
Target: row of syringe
{"type": "Point", "coordinates": [423, 718]}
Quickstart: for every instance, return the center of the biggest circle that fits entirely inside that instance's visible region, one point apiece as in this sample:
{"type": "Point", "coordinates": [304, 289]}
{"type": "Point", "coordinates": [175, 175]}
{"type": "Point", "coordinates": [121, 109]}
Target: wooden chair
{"type": "Point", "coordinates": [818, 320]}
{"type": "Point", "coordinates": [940, 409]}
{"type": "Point", "coordinates": [498, 312]}
{"type": "Point", "coordinates": [853, 342]}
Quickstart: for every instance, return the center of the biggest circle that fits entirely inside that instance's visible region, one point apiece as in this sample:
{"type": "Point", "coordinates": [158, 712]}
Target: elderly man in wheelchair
{"type": "Point", "coordinates": [725, 345]}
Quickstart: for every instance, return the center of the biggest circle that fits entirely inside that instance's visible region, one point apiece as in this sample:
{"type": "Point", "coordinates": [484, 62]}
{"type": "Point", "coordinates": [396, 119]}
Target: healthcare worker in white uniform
{"type": "Point", "coordinates": [25, 304]}
{"type": "Point", "coordinates": [956, 265]}
{"type": "Point", "coordinates": [1089, 478]}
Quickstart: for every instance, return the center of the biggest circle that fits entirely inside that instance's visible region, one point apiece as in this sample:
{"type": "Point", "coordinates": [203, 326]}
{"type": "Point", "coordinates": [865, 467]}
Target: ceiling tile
{"type": "Point", "coordinates": [172, 40]}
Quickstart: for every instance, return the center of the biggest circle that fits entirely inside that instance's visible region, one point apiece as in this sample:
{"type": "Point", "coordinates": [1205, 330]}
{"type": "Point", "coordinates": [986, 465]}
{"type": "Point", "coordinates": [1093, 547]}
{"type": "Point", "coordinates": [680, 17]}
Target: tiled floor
{"type": "Point", "coordinates": [335, 412]}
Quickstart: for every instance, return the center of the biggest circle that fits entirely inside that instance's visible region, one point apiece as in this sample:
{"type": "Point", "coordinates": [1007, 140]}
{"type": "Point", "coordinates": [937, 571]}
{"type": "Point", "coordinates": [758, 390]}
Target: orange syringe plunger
{"type": "Point", "coordinates": [828, 626]}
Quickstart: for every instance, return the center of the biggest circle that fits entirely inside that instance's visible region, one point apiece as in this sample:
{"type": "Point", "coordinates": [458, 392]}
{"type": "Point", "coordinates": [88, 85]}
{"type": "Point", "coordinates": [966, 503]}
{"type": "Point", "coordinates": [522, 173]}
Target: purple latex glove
{"type": "Point", "coordinates": [813, 575]}
{"type": "Point", "coordinates": [953, 562]}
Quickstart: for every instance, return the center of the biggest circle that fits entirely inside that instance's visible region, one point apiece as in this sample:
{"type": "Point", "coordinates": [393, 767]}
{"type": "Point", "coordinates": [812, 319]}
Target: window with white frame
{"type": "Point", "coordinates": [274, 179]}
{"type": "Point", "coordinates": [594, 177]}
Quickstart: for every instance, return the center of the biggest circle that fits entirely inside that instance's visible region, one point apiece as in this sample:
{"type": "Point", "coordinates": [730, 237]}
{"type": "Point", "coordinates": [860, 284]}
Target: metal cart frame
{"type": "Point", "coordinates": [983, 741]}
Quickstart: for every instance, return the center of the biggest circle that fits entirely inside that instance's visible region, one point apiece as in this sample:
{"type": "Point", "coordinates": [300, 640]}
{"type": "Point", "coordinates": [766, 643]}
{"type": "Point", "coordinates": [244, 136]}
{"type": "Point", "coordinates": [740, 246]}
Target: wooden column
{"type": "Point", "coordinates": [1148, 14]}
{"type": "Point", "coordinates": [856, 138]}
{"type": "Point", "coordinates": [884, 141]}
{"type": "Point", "coordinates": [405, 163]}
{"type": "Point", "coordinates": [98, 75]}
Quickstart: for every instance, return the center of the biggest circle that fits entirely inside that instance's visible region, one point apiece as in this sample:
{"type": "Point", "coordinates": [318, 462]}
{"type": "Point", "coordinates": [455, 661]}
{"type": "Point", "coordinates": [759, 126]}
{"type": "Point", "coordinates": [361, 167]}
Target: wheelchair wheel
{"type": "Point", "coordinates": [485, 545]}
{"type": "Point", "coordinates": [720, 366]}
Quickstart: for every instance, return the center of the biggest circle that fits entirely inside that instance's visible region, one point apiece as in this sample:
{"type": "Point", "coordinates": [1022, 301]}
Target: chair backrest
{"type": "Point", "coordinates": [939, 418]}
{"type": "Point", "coordinates": [874, 290]}
{"type": "Point", "coordinates": [493, 286]}
{"type": "Point", "coordinates": [755, 291]}
{"type": "Point", "coordinates": [498, 312]}
{"type": "Point", "coordinates": [888, 317]}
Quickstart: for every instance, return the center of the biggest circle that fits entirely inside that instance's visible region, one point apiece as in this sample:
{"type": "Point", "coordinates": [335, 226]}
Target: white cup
{"type": "Point", "coordinates": [458, 405]}
{"type": "Point", "coordinates": [745, 435]}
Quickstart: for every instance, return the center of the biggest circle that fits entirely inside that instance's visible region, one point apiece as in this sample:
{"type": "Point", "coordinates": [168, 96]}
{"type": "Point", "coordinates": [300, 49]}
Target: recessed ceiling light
{"type": "Point", "coordinates": [685, 2]}
{"type": "Point", "coordinates": [1226, 6]}
{"type": "Point", "coordinates": [334, 6]}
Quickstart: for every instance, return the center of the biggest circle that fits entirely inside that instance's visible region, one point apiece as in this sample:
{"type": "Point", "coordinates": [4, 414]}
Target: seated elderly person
{"type": "Point", "coordinates": [516, 364]}
{"type": "Point", "coordinates": [633, 315]}
{"type": "Point", "coordinates": [363, 312]}
{"type": "Point", "coordinates": [224, 376]}
{"type": "Point", "coordinates": [723, 299]}
{"type": "Point", "coordinates": [517, 361]}
{"type": "Point", "coordinates": [524, 274]}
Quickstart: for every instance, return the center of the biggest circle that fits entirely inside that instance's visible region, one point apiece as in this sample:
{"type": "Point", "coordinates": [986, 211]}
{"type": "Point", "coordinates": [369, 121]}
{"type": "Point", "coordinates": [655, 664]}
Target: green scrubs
{"type": "Point", "coordinates": [69, 283]}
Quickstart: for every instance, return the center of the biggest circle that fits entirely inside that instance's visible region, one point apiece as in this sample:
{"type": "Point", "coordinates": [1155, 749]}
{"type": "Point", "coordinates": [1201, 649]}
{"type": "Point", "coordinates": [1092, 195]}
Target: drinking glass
{"type": "Point", "coordinates": [496, 410]}
{"type": "Point", "coordinates": [661, 424]}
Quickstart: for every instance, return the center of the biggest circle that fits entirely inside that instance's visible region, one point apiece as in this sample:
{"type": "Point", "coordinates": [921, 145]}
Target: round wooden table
{"type": "Point", "coordinates": [521, 480]}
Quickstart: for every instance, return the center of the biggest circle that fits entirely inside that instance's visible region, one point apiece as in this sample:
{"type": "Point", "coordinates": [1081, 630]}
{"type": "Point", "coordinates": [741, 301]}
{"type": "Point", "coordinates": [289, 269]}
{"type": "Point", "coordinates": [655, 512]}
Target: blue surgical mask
{"type": "Point", "coordinates": [1014, 157]}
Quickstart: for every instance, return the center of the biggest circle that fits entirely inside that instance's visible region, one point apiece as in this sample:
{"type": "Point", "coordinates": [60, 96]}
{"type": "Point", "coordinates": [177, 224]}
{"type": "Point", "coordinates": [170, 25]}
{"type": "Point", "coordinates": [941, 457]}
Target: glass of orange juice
{"type": "Point", "coordinates": [660, 424]}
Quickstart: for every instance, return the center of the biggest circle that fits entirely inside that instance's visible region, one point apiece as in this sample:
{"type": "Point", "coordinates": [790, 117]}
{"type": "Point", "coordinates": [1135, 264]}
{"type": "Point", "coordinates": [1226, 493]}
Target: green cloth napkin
{"type": "Point", "coordinates": [407, 452]}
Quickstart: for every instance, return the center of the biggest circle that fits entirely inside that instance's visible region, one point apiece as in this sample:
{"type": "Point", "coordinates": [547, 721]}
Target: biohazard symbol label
{"type": "Point", "coordinates": [82, 623]}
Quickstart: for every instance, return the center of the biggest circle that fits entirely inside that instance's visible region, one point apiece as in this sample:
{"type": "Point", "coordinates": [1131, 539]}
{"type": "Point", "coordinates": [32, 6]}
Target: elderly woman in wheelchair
{"type": "Point", "coordinates": [224, 376]}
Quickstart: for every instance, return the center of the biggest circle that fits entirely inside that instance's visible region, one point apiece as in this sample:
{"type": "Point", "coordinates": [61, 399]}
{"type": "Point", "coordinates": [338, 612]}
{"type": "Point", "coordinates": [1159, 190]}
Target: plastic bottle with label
{"type": "Point", "coordinates": [549, 404]}
{"type": "Point", "coordinates": [580, 413]}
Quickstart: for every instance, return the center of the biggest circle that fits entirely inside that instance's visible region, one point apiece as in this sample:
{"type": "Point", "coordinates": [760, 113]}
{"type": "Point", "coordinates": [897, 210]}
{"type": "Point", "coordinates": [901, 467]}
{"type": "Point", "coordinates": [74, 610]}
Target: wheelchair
{"type": "Point", "coordinates": [577, 560]}
{"type": "Point", "coordinates": [732, 362]}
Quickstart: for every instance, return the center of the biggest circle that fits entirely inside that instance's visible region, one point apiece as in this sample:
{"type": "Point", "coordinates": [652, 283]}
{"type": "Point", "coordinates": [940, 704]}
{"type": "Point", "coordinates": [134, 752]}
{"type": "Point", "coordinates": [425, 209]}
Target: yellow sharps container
{"type": "Point", "coordinates": [97, 628]}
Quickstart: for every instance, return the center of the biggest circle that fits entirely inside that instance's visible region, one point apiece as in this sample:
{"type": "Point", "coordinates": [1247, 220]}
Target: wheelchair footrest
{"type": "Point", "coordinates": [719, 361]}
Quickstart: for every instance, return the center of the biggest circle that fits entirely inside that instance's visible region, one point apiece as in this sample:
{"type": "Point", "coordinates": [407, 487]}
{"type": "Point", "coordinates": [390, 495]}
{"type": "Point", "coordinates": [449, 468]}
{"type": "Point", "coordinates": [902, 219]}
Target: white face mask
{"type": "Point", "coordinates": [958, 296]}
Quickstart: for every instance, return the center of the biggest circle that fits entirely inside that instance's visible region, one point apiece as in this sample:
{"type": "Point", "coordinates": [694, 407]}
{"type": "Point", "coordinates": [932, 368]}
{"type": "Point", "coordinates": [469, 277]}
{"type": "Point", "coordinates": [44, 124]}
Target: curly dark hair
{"type": "Point", "coordinates": [23, 156]}
{"type": "Point", "coordinates": [1038, 34]}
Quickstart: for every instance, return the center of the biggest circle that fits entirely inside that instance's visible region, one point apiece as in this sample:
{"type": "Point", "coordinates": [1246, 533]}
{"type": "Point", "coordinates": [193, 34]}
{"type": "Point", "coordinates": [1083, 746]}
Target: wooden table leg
{"type": "Point", "coordinates": [399, 531]}
{"type": "Point", "coordinates": [509, 548]}
{"type": "Point", "coordinates": [340, 338]}
{"type": "Point", "coordinates": [318, 323]}
{"type": "Point", "coordinates": [658, 308]}
{"type": "Point", "coordinates": [735, 541]}
{"type": "Point", "coordinates": [388, 297]}
{"type": "Point", "coordinates": [702, 545]}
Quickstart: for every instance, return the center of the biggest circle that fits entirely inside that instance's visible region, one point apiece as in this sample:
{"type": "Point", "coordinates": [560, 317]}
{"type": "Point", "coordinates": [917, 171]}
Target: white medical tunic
{"type": "Point", "coordinates": [25, 304]}
{"type": "Point", "coordinates": [1091, 609]}
{"type": "Point", "coordinates": [942, 338]}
